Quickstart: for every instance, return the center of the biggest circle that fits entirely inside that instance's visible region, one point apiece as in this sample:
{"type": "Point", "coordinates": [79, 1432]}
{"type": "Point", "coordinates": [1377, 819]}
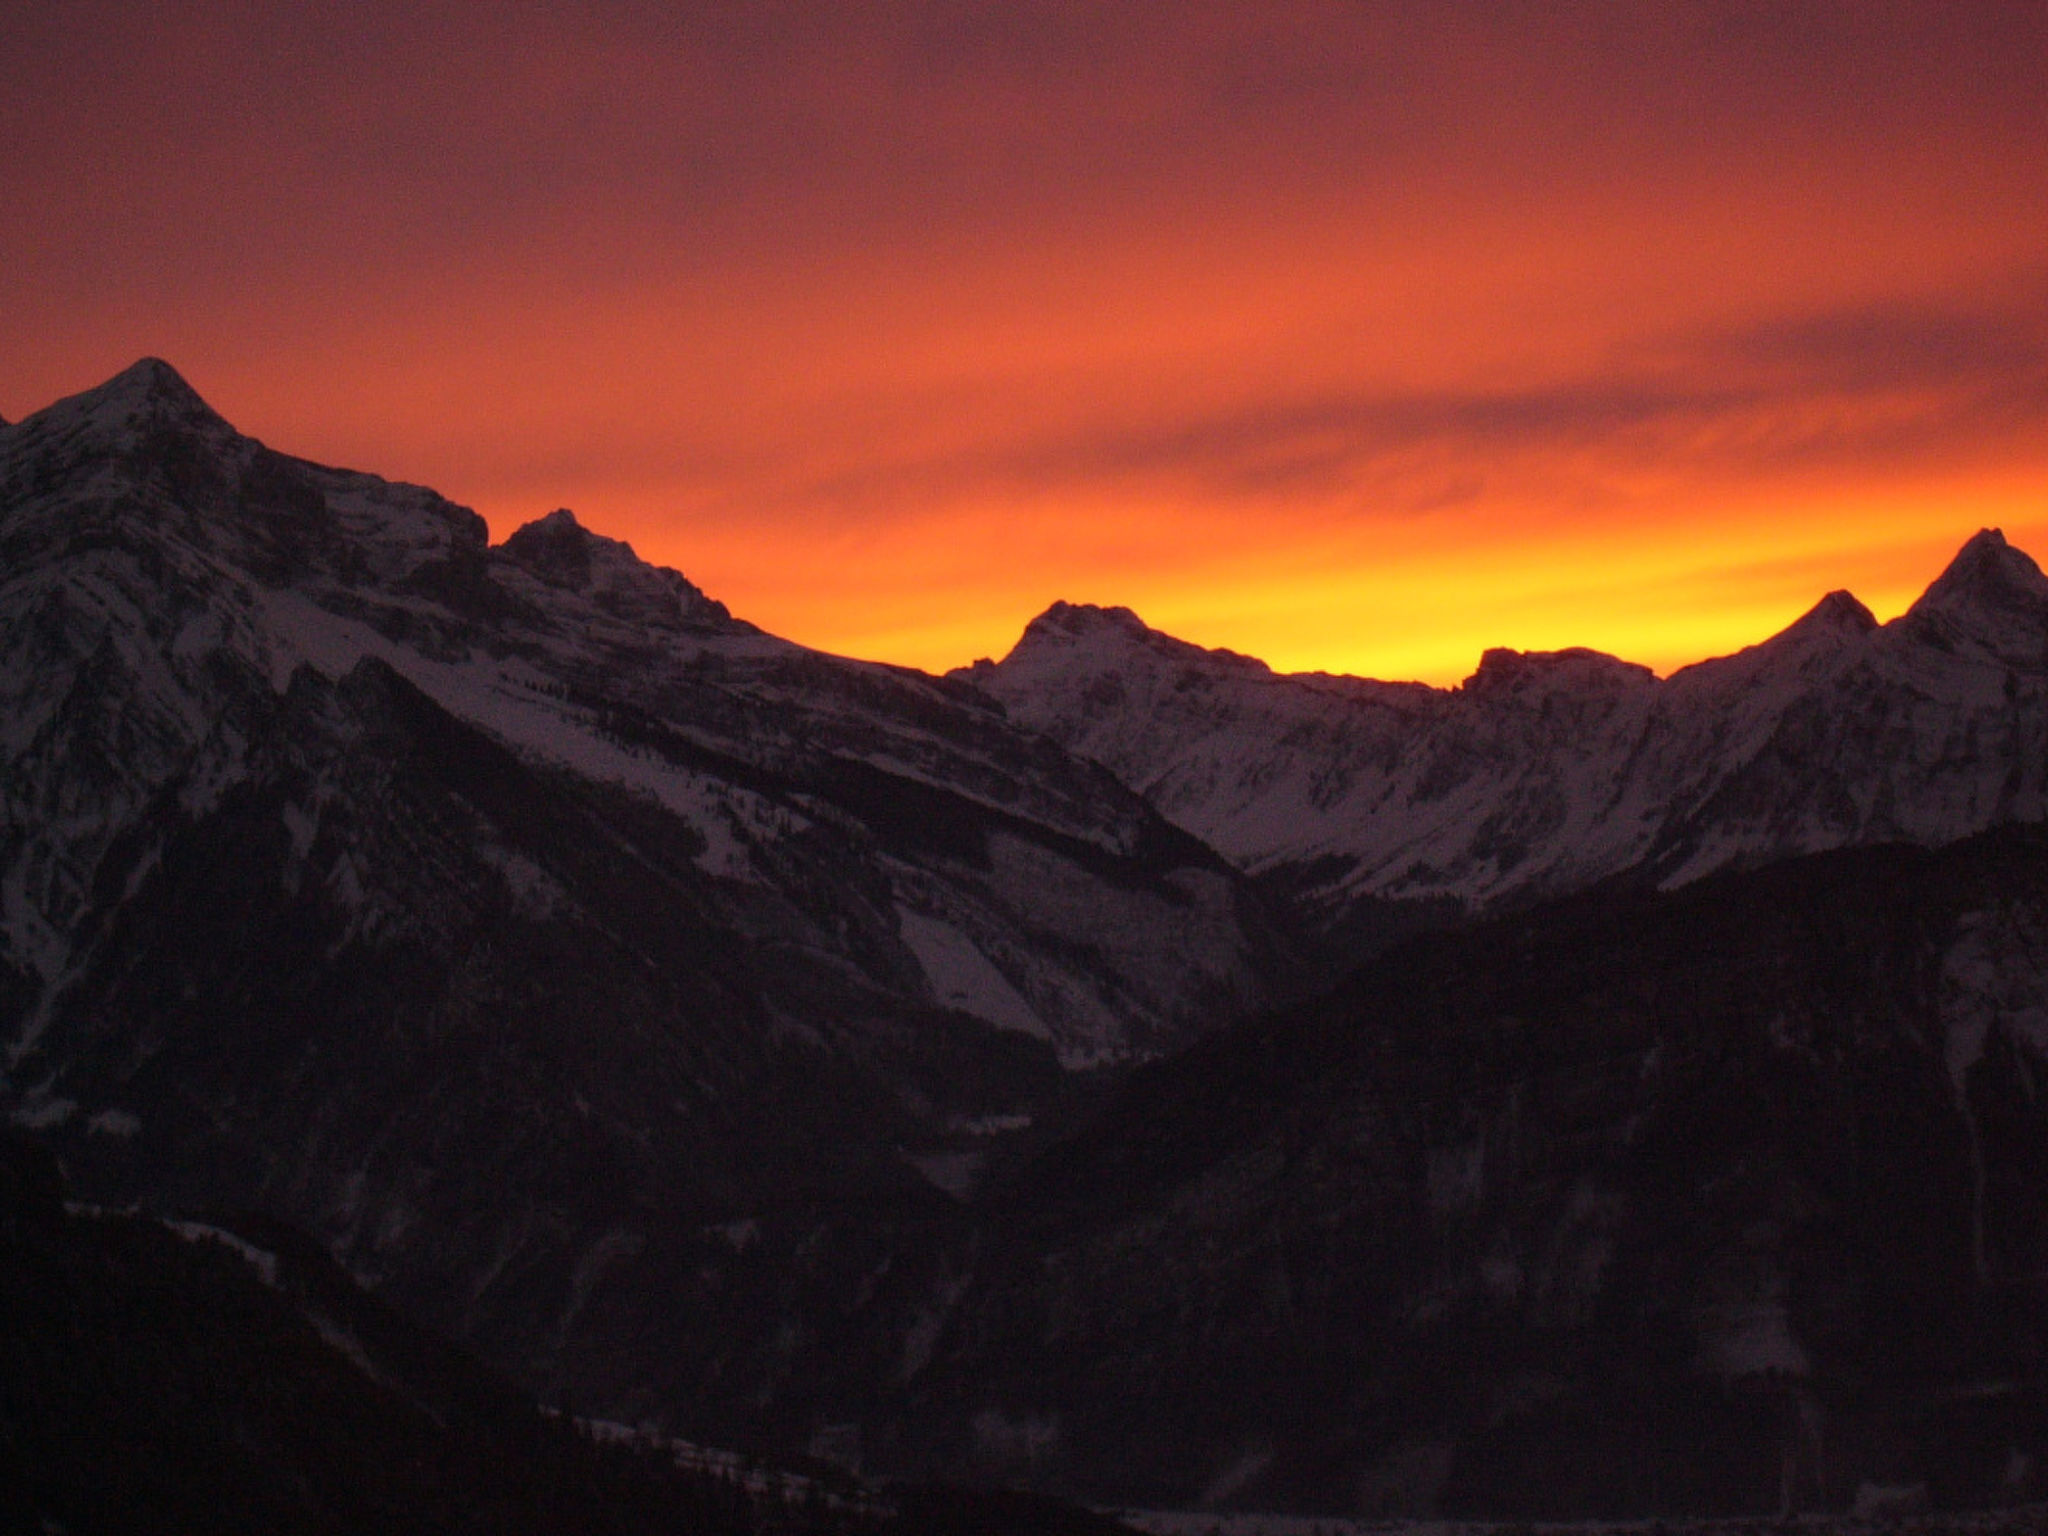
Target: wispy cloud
{"type": "Point", "coordinates": [841, 306]}
{"type": "Point", "coordinates": [1875, 387]}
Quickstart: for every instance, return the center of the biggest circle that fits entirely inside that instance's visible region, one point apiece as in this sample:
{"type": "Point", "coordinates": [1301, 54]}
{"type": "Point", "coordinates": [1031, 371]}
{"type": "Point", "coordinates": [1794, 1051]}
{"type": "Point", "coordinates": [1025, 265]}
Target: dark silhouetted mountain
{"type": "Point", "coordinates": [192, 1377]}
{"type": "Point", "coordinates": [516, 921]}
{"type": "Point", "coordinates": [178, 1377]}
{"type": "Point", "coordinates": [1720, 1201]}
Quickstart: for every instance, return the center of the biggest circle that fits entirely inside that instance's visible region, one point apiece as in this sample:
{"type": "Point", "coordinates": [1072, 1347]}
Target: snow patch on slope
{"type": "Point", "coordinates": [261, 1260]}
{"type": "Point", "coordinates": [520, 706]}
{"type": "Point", "coordinates": [962, 977]}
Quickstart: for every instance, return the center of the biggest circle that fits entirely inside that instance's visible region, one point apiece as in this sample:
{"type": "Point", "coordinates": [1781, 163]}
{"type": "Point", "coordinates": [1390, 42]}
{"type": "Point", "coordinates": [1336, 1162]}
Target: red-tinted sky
{"type": "Point", "coordinates": [1353, 335]}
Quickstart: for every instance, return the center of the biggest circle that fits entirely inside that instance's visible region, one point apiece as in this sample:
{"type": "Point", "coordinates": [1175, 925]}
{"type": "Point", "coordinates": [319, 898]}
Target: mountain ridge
{"type": "Point", "coordinates": [811, 1053]}
{"type": "Point", "coordinates": [518, 923]}
{"type": "Point", "coordinates": [326, 567]}
{"type": "Point", "coordinates": [1984, 566]}
{"type": "Point", "coordinates": [1545, 772]}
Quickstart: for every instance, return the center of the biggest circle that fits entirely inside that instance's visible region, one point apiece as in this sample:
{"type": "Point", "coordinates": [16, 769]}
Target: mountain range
{"type": "Point", "coordinates": [1118, 1069]}
{"type": "Point", "coordinates": [1550, 772]}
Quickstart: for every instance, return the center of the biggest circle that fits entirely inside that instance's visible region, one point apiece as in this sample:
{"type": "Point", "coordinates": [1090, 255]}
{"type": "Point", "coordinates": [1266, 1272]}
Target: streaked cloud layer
{"type": "Point", "coordinates": [1353, 335]}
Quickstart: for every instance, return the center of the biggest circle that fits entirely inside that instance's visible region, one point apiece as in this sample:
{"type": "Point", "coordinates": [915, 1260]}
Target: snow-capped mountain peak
{"type": "Point", "coordinates": [1839, 615]}
{"type": "Point", "coordinates": [148, 395]}
{"type": "Point", "coordinates": [177, 594]}
{"type": "Point", "coordinates": [1820, 639]}
{"type": "Point", "coordinates": [1547, 771]}
{"type": "Point", "coordinates": [1110, 641]}
{"type": "Point", "coordinates": [1068, 627]}
{"type": "Point", "coordinates": [1987, 568]}
{"type": "Point", "coordinates": [1991, 596]}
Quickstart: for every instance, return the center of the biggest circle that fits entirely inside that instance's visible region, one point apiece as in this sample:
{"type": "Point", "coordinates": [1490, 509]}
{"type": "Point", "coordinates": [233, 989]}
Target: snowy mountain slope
{"type": "Point", "coordinates": [679, 1016]}
{"type": "Point", "coordinates": [1549, 772]}
{"type": "Point", "coordinates": [512, 918]}
{"type": "Point", "coordinates": [164, 576]}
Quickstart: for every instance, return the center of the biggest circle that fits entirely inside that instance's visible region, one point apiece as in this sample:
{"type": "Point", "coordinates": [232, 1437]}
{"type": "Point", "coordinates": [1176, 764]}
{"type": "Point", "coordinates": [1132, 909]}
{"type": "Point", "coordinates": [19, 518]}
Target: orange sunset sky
{"type": "Point", "coordinates": [1355, 336]}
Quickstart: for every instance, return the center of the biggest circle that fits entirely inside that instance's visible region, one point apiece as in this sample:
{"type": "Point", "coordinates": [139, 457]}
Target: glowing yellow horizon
{"type": "Point", "coordinates": [1354, 338]}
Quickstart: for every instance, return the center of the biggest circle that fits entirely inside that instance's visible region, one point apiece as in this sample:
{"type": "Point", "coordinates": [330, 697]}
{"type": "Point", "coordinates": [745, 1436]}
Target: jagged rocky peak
{"type": "Point", "coordinates": [1088, 618]}
{"type": "Point", "coordinates": [1067, 632]}
{"type": "Point", "coordinates": [559, 550]}
{"type": "Point", "coordinates": [1993, 596]}
{"type": "Point", "coordinates": [1058, 637]}
{"type": "Point", "coordinates": [1065, 626]}
{"type": "Point", "coordinates": [1503, 672]}
{"type": "Point", "coordinates": [555, 548]}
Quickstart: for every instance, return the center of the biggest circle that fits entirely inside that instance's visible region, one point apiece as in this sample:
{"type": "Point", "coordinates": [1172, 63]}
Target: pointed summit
{"type": "Point", "coordinates": [1837, 619]}
{"type": "Point", "coordinates": [147, 394]}
{"type": "Point", "coordinates": [153, 385]}
{"type": "Point", "coordinates": [1987, 571]}
{"type": "Point", "coordinates": [151, 376]}
{"type": "Point", "coordinates": [1840, 611]}
{"type": "Point", "coordinates": [1992, 596]}
{"type": "Point", "coordinates": [1822, 639]}
{"type": "Point", "coordinates": [1067, 630]}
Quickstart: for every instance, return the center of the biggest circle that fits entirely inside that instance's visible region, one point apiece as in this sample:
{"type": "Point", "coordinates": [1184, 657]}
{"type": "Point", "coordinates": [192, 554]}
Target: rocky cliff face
{"type": "Point", "coordinates": [1548, 773]}
{"type": "Point", "coordinates": [510, 916]}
